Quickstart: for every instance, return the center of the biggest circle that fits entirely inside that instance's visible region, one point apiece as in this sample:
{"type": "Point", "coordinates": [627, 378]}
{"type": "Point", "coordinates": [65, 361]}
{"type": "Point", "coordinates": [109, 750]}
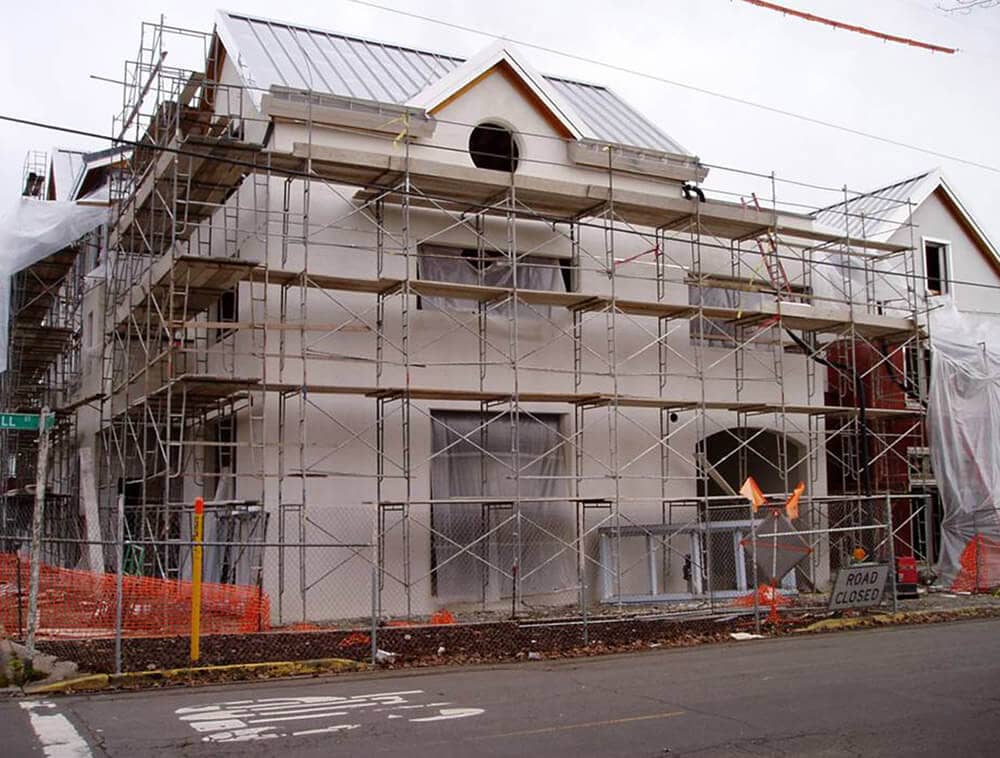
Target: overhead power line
{"type": "Point", "coordinates": [784, 9]}
{"type": "Point", "coordinates": [690, 87]}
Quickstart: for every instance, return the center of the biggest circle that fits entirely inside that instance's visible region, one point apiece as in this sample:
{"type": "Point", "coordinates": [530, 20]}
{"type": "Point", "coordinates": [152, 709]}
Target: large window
{"type": "Point", "coordinates": [491, 268]}
{"type": "Point", "coordinates": [475, 544]}
{"type": "Point", "coordinates": [936, 271]}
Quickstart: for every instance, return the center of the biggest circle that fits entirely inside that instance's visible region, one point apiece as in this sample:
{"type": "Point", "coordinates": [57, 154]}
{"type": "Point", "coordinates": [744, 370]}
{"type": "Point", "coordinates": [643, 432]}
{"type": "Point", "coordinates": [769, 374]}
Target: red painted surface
{"type": "Point", "coordinates": [883, 376]}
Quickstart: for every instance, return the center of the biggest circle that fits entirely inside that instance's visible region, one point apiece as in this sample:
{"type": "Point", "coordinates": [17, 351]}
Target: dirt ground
{"type": "Point", "coordinates": [480, 641]}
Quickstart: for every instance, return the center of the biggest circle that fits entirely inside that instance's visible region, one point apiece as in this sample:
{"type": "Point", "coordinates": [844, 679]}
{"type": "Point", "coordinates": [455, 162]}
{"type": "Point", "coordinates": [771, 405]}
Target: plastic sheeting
{"type": "Point", "coordinates": [472, 458]}
{"type": "Point", "coordinates": [32, 230]}
{"type": "Point", "coordinates": [963, 419]}
{"type": "Point", "coordinates": [445, 264]}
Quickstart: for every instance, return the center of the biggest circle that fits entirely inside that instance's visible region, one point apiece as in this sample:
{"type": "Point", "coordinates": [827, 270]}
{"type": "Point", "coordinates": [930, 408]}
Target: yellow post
{"type": "Point", "coordinates": [199, 526]}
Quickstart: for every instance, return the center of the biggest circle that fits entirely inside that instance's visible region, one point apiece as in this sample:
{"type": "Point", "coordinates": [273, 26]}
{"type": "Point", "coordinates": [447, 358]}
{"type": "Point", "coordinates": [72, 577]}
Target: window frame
{"type": "Point", "coordinates": [945, 261]}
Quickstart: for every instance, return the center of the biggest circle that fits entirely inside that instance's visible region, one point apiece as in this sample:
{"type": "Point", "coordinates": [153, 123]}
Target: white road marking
{"type": "Point", "coordinates": [320, 715]}
{"type": "Point", "coordinates": [58, 736]}
{"type": "Point", "coordinates": [326, 730]}
{"type": "Point", "coordinates": [452, 713]}
{"type": "Point", "coordinates": [242, 735]}
{"type": "Point", "coordinates": [246, 720]}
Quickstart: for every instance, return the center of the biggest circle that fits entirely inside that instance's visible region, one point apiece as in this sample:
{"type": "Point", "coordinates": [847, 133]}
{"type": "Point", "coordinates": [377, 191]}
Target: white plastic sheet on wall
{"type": "Point", "coordinates": [32, 230]}
{"type": "Point", "coordinates": [446, 264]}
{"type": "Point", "coordinates": [963, 419]}
{"type": "Point", "coordinates": [473, 457]}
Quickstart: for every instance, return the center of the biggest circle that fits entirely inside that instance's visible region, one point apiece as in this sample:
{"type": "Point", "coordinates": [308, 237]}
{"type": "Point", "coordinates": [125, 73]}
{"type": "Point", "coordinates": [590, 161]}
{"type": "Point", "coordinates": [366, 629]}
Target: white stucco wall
{"type": "Point", "coordinates": [968, 264]}
{"type": "Point", "coordinates": [443, 349]}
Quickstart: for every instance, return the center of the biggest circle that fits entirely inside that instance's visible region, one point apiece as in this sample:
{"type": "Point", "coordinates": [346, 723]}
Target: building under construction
{"type": "Point", "coordinates": [429, 332]}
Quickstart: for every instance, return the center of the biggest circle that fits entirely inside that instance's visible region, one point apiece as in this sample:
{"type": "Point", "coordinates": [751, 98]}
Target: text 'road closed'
{"type": "Point", "coordinates": [861, 586]}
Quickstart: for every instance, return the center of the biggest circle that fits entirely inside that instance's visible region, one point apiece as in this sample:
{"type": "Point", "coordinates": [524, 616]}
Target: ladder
{"type": "Point", "coordinates": [767, 244]}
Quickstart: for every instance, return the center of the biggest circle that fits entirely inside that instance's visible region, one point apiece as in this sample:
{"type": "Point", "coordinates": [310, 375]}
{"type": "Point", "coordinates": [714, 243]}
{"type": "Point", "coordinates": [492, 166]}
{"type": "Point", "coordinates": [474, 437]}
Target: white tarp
{"type": "Point", "coordinates": [963, 420]}
{"type": "Point", "coordinates": [32, 230]}
{"type": "Point", "coordinates": [446, 264]}
{"type": "Point", "coordinates": [476, 548]}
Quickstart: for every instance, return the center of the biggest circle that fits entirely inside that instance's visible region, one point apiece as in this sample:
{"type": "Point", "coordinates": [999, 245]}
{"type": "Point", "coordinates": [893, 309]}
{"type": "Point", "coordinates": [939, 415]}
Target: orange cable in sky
{"type": "Point", "coordinates": [852, 27]}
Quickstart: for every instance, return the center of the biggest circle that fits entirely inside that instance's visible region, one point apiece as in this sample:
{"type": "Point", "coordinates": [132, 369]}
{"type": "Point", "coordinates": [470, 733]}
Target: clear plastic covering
{"type": "Point", "coordinates": [32, 230]}
{"type": "Point", "coordinates": [963, 419]}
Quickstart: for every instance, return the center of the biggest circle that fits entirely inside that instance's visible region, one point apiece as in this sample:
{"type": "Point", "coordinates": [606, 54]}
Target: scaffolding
{"type": "Point", "coordinates": [273, 343]}
{"type": "Point", "coordinates": [43, 371]}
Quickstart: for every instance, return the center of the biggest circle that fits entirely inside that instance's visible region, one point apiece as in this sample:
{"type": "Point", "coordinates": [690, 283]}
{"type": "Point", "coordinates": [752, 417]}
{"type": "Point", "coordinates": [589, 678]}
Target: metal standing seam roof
{"type": "Point", "coordinates": [275, 53]}
{"type": "Point", "coordinates": [877, 214]}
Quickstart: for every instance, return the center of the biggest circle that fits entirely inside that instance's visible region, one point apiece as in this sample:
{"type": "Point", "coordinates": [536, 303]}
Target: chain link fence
{"type": "Point", "coordinates": [489, 580]}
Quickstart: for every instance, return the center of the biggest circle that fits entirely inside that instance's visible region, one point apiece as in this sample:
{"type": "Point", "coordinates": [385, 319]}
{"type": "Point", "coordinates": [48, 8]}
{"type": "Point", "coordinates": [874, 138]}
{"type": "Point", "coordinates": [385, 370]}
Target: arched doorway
{"type": "Point", "coordinates": [728, 457]}
{"type": "Point", "coordinates": [725, 459]}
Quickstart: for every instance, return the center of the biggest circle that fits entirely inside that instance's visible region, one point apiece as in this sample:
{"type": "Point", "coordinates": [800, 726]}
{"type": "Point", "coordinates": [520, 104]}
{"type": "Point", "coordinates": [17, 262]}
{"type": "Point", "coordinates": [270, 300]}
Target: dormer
{"type": "Point", "coordinates": [494, 110]}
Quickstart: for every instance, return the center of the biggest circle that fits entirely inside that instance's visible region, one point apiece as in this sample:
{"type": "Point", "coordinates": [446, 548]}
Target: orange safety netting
{"type": "Point", "coordinates": [74, 603]}
{"type": "Point", "coordinates": [766, 596]}
{"type": "Point", "coordinates": [980, 563]}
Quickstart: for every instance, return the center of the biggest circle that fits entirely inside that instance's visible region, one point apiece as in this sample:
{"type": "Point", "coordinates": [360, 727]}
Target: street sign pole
{"type": "Point", "coordinates": [37, 523]}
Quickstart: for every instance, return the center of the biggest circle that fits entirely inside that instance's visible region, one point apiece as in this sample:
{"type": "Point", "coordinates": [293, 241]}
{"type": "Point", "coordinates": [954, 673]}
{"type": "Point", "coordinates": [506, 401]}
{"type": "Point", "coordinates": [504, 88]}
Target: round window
{"type": "Point", "coordinates": [493, 146]}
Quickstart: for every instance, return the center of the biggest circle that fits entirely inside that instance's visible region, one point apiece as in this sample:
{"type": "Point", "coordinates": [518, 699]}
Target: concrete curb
{"type": "Point", "coordinates": [199, 674]}
{"type": "Point", "coordinates": [900, 617]}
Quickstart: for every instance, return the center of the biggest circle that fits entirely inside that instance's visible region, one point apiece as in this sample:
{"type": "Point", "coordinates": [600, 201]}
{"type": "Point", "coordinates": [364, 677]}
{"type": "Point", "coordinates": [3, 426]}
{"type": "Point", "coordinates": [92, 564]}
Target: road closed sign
{"type": "Point", "coordinates": [861, 586]}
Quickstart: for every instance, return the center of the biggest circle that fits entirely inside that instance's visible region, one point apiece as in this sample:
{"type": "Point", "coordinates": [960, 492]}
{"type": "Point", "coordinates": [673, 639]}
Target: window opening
{"type": "Point", "coordinates": [474, 544]}
{"type": "Point", "coordinates": [936, 267]}
{"type": "Point", "coordinates": [493, 147]}
{"type": "Point", "coordinates": [491, 268]}
{"type": "Point", "coordinates": [227, 311]}
{"type": "Point", "coordinates": [566, 269]}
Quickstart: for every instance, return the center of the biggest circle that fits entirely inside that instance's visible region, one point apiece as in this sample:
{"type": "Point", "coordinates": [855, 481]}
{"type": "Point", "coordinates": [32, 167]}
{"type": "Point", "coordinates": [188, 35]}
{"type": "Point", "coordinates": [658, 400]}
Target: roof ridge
{"type": "Point", "coordinates": [900, 183]}
{"type": "Point", "coordinates": [877, 191]}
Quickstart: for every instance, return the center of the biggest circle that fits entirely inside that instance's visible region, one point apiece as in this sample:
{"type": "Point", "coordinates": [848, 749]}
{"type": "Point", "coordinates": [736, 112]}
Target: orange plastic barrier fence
{"type": "Point", "coordinates": [980, 563]}
{"type": "Point", "coordinates": [766, 596]}
{"type": "Point", "coordinates": [75, 603]}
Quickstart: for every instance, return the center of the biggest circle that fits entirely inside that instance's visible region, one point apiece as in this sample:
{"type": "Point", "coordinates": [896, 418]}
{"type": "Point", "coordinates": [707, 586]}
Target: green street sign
{"type": "Point", "coordinates": [27, 422]}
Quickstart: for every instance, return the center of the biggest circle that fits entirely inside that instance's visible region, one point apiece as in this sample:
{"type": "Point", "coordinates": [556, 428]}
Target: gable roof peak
{"type": "Point", "coordinates": [500, 51]}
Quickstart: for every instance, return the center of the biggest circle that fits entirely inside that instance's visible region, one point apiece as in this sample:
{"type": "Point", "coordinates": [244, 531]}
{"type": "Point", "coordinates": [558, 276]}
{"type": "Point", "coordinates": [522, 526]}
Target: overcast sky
{"type": "Point", "coordinates": [50, 49]}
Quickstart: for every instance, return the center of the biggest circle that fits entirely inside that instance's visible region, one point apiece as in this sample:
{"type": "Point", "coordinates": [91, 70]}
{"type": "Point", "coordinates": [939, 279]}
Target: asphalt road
{"type": "Point", "coordinates": [929, 690]}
